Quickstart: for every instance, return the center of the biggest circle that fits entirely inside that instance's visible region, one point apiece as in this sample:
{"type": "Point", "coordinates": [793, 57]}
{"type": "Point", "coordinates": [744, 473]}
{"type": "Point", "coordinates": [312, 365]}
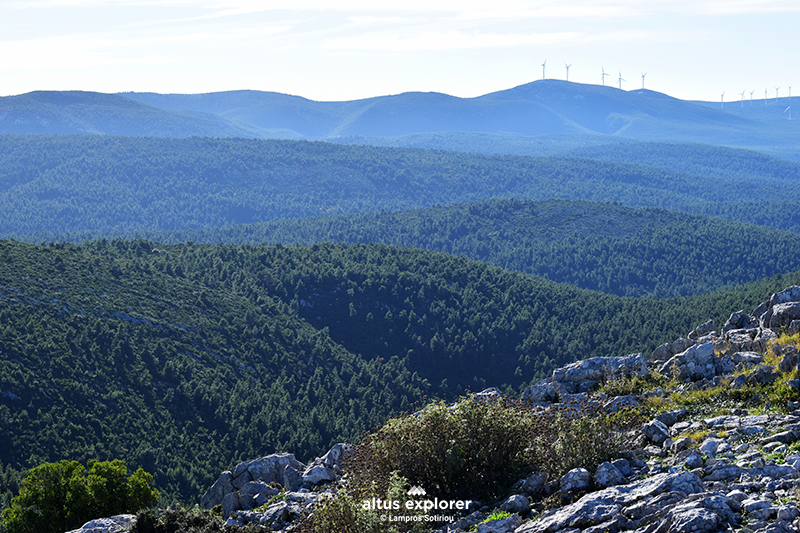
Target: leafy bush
{"type": "Point", "coordinates": [57, 497]}
{"type": "Point", "coordinates": [472, 449]}
{"type": "Point", "coordinates": [578, 434]}
{"type": "Point", "coordinates": [477, 449]}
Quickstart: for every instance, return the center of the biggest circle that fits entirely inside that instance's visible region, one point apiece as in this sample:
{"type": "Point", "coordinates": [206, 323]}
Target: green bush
{"type": "Point", "coordinates": [57, 497]}
{"type": "Point", "coordinates": [471, 450]}
{"type": "Point", "coordinates": [578, 434]}
{"type": "Point", "coordinates": [477, 449]}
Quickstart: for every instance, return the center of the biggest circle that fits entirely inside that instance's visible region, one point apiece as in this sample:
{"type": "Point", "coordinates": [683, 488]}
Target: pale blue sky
{"type": "Point", "coordinates": [352, 49]}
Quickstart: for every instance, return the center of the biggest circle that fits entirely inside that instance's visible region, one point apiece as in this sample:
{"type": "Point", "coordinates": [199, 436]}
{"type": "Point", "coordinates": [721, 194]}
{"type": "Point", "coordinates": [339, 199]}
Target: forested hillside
{"type": "Point", "coordinates": [184, 359]}
{"type": "Point", "coordinates": [97, 185]}
{"type": "Point", "coordinates": [698, 159]}
{"type": "Point", "coordinates": [606, 247]}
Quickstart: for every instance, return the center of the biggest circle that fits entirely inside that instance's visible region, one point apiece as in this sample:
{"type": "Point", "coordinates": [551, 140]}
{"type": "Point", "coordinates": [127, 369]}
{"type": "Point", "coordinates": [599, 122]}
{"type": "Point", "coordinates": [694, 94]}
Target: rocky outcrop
{"type": "Point", "coordinates": [582, 377]}
{"type": "Point", "coordinates": [115, 524]}
{"type": "Point", "coordinates": [251, 484]}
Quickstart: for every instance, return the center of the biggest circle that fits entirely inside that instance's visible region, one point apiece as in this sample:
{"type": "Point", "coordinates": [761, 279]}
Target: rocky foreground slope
{"type": "Point", "coordinates": [700, 464]}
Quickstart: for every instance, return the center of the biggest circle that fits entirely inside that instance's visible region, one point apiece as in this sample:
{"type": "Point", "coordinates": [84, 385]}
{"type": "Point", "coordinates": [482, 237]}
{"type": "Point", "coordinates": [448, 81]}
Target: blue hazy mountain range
{"type": "Point", "coordinates": [544, 117]}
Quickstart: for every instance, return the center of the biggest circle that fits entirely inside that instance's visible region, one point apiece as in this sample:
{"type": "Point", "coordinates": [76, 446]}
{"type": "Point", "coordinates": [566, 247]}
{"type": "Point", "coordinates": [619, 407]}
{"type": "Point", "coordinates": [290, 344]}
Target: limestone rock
{"type": "Point", "coordinates": [763, 375]}
{"type": "Point", "coordinates": [505, 525]}
{"type": "Point", "coordinates": [516, 503]}
{"type": "Point", "coordinates": [618, 403]}
{"type": "Point", "coordinates": [542, 392]}
{"type": "Point", "coordinates": [603, 505]}
{"type": "Point", "coordinates": [602, 368]}
{"type": "Point", "coordinates": [787, 295]}
{"type": "Point", "coordinates": [670, 418]}
{"type": "Point", "coordinates": [269, 469]}
{"type": "Point", "coordinates": [656, 432]}
{"type": "Point", "coordinates": [784, 314]}
{"type": "Point", "coordinates": [608, 475]}
{"type": "Point", "coordinates": [292, 479]}
{"type": "Point", "coordinates": [115, 524]}
{"type": "Point", "coordinates": [576, 480]}
{"type": "Point", "coordinates": [694, 364]}
{"type": "Point", "coordinates": [534, 484]}
{"type": "Point", "coordinates": [230, 503]}
{"type": "Point", "coordinates": [255, 494]}
{"type": "Point", "coordinates": [702, 330]}
{"type": "Point", "coordinates": [324, 469]}
{"type": "Point", "coordinates": [218, 490]}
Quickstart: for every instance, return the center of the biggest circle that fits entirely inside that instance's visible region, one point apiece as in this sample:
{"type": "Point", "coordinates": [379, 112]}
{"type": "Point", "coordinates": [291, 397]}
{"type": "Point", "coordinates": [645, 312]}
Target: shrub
{"type": "Point", "coordinates": [472, 449]}
{"type": "Point", "coordinates": [578, 434]}
{"type": "Point", "coordinates": [57, 497]}
{"type": "Point", "coordinates": [477, 449]}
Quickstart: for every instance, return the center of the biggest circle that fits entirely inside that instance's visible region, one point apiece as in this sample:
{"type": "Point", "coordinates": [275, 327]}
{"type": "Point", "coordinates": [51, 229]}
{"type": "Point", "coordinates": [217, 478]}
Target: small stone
{"type": "Point", "coordinates": [607, 475]}
{"type": "Point", "coordinates": [575, 480]}
{"type": "Point", "coordinates": [709, 446]}
{"type": "Point", "coordinates": [694, 461]}
{"type": "Point", "coordinates": [516, 504]}
{"type": "Point", "coordinates": [656, 431]}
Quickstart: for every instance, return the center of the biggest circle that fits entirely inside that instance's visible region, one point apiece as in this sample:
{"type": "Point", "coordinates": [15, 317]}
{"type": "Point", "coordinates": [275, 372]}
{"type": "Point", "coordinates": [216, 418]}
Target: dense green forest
{"type": "Point", "coordinates": [184, 359]}
{"type": "Point", "coordinates": [89, 186]}
{"type": "Point", "coordinates": [606, 247]}
{"type": "Point", "coordinates": [698, 159]}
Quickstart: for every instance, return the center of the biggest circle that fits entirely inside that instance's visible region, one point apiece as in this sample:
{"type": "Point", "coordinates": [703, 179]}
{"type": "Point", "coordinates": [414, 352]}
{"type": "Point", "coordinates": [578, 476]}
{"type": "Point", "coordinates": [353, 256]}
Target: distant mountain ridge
{"type": "Point", "coordinates": [543, 107]}
{"type": "Point", "coordinates": [69, 112]}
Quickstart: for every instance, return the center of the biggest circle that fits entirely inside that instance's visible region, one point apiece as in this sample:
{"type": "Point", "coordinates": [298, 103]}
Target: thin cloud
{"type": "Point", "coordinates": [451, 40]}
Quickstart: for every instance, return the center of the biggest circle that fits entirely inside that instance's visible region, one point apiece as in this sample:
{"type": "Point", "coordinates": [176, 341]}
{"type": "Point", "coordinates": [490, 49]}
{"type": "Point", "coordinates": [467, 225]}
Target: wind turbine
{"type": "Point", "coordinates": [722, 101]}
{"type": "Point", "coordinates": [776, 91]}
{"type": "Point", "coordinates": [643, 75]}
{"type": "Point", "coordinates": [765, 96]}
{"type": "Point", "coordinates": [742, 93]}
{"type": "Point", "coordinates": [789, 109]}
{"type": "Point", "coordinates": [620, 80]}
{"type": "Point", "coordinates": [751, 97]}
{"type": "Point", "coordinates": [567, 69]}
{"type": "Point", "coordinates": [604, 75]}
{"type": "Point", "coordinates": [543, 64]}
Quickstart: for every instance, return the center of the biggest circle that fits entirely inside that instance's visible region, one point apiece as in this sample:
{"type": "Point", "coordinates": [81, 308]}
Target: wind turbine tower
{"type": "Point", "coordinates": [543, 64]}
{"type": "Point", "coordinates": [722, 101]}
{"type": "Point", "coordinates": [604, 76]}
{"type": "Point", "coordinates": [567, 69]}
{"type": "Point", "coordinates": [742, 93]}
{"type": "Point", "coordinates": [765, 96]}
{"type": "Point", "coordinates": [621, 79]}
{"type": "Point", "coordinates": [643, 75]}
{"type": "Point", "coordinates": [776, 91]}
{"type": "Point", "coordinates": [751, 97]}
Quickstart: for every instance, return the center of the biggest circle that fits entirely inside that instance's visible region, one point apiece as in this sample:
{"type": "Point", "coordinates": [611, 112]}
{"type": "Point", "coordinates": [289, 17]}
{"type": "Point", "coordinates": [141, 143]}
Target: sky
{"type": "Point", "coordinates": [351, 49]}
